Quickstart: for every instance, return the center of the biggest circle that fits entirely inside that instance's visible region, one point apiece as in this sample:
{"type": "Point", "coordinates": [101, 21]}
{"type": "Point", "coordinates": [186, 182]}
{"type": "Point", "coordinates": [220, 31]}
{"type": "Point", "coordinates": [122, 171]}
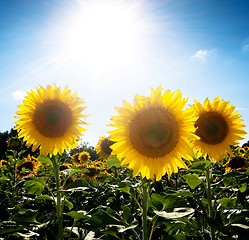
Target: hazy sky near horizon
{"type": "Point", "coordinates": [198, 46]}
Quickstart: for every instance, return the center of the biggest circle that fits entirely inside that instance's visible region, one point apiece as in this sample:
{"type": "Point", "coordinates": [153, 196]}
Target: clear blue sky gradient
{"type": "Point", "coordinates": [200, 47]}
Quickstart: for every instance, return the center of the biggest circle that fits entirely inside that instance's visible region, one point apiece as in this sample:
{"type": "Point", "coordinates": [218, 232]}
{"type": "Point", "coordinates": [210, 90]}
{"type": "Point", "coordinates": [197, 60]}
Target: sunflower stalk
{"type": "Point", "coordinates": [59, 209]}
{"type": "Point", "coordinates": [145, 196]}
{"type": "Point", "coordinates": [208, 175]}
{"type": "Point", "coordinates": [14, 179]}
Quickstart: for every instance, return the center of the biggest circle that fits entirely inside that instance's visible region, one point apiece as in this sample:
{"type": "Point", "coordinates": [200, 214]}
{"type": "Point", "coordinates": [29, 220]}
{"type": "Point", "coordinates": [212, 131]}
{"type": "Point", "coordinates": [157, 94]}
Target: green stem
{"type": "Point", "coordinates": [71, 230]}
{"type": "Point", "coordinates": [208, 175]}
{"type": "Point", "coordinates": [145, 209]}
{"type": "Point", "coordinates": [153, 226]}
{"type": "Point", "coordinates": [14, 180]}
{"type": "Point", "coordinates": [58, 200]}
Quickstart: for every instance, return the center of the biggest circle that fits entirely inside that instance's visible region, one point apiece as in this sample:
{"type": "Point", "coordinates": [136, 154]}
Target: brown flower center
{"type": "Point", "coordinates": [154, 132]}
{"type": "Point", "coordinates": [52, 118]}
{"type": "Point", "coordinates": [83, 158]}
{"type": "Point", "coordinates": [92, 172]}
{"type": "Point", "coordinates": [27, 165]}
{"type": "Point", "coordinates": [237, 162]}
{"type": "Point", "coordinates": [212, 128]}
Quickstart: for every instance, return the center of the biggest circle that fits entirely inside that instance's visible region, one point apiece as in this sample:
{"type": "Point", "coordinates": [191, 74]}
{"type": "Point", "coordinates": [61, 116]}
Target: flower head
{"type": "Point", "coordinates": [49, 119]}
{"type": "Point", "coordinates": [13, 143]}
{"type": "Point", "coordinates": [65, 166]}
{"type": "Point", "coordinates": [92, 172]}
{"type": "Point", "coordinates": [28, 167]}
{"type": "Point", "coordinates": [81, 158]}
{"type": "Point", "coordinates": [84, 157]}
{"type": "Point", "coordinates": [217, 127]}
{"type": "Point", "coordinates": [152, 137]}
{"type": "Point", "coordinates": [236, 163]}
{"type": "Point", "coordinates": [3, 163]}
{"type": "Point", "coordinates": [103, 147]}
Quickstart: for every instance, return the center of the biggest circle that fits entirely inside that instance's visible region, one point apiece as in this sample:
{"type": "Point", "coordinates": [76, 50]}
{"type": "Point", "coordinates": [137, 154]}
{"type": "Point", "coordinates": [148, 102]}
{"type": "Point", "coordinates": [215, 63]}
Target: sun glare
{"type": "Point", "coordinates": [104, 34]}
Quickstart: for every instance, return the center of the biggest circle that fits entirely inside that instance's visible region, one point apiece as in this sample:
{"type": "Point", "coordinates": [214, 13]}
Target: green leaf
{"type": "Point", "coordinates": [125, 189]}
{"type": "Point", "coordinates": [227, 202]}
{"type": "Point", "coordinates": [9, 227]}
{"type": "Point", "coordinates": [157, 201]}
{"type": "Point", "coordinates": [240, 225]}
{"type": "Point", "coordinates": [3, 178]}
{"type": "Point", "coordinates": [44, 197]}
{"type": "Point", "coordinates": [123, 229]}
{"type": "Point", "coordinates": [204, 200]}
{"type": "Point", "coordinates": [27, 235]}
{"type": "Point", "coordinates": [184, 194]}
{"type": "Point", "coordinates": [102, 218]}
{"type": "Point", "coordinates": [243, 187]}
{"type": "Point", "coordinates": [177, 213]}
{"type": "Point", "coordinates": [126, 213]}
{"type": "Point", "coordinates": [77, 215]}
{"type": "Point", "coordinates": [200, 166]}
{"type": "Point", "coordinates": [68, 204]}
{"type": "Point", "coordinates": [26, 216]}
{"type": "Point", "coordinates": [113, 161]}
{"type": "Point", "coordinates": [192, 180]}
{"type": "Point", "coordinates": [167, 203]}
{"type": "Point", "coordinates": [43, 159]}
{"type": "Point", "coordinates": [34, 187]}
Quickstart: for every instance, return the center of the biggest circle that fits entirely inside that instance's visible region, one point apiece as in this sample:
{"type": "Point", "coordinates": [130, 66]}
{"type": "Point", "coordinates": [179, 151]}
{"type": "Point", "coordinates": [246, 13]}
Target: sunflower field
{"type": "Point", "coordinates": [165, 170]}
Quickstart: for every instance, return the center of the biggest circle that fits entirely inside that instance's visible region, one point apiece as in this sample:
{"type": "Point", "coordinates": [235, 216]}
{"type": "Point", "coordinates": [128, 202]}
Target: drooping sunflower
{"type": "Point", "coordinates": [103, 147]}
{"type": "Point", "coordinates": [152, 137]}
{"type": "Point", "coordinates": [67, 181]}
{"type": "Point", "coordinates": [92, 172]}
{"type": "Point", "coordinates": [50, 119]}
{"type": "Point", "coordinates": [65, 166]}
{"type": "Point", "coordinates": [236, 163]}
{"type": "Point", "coordinates": [218, 127]}
{"type": "Point", "coordinates": [13, 143]}
{"type": "Point", "coordinates": [28, 167]}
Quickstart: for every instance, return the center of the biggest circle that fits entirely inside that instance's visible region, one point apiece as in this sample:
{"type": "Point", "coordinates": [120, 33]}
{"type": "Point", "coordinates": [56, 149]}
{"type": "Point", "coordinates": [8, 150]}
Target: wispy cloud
{"type": "Point", "coordinates": [18, 95]}
{"type": "Point", "coordinates": [245, 46]}
{"type": "Point", "coordinates": [202, 55]}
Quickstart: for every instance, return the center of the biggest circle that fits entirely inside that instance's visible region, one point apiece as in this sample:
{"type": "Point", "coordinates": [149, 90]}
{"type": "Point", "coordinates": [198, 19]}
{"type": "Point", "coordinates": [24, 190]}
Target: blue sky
{"type": "Point", "coordinates": [200, 47]}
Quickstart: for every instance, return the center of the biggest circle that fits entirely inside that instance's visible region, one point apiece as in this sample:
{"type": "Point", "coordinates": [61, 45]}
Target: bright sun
{"type": "Point", "coordinates": [104, 34]}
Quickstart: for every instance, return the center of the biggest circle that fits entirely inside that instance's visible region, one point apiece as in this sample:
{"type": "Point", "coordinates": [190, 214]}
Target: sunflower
{"type": "Point", "coordinates": [49, 119]}
{"type": "Point", "coordinates": [246, 148]}
{"type": "Point", "coordinates": [218, 127]}
{"type": "Point", "coordinates": [81, 158]}
{"type": "Point", "coordinates": [27, 168]}
{"type": "Point", "coordinates": [92, 172]}
{"type": "Point", "coordinates": [152, 137]}
{"type": "Point", "coordinates": [75, 159]}
{"type": "Point", "coordinates": [240, 150]}
{"type": "Point", "coordinates": [103, 147]}
{"type": "Point", "coordinates": [66, 182]}
{"type": "Point", "coordinates": [236, 163]}
{"type": "Point", "coordinates": [13, 143]}
{"type": "Point", "coordinates": [98, 164]}
{"type": "Point", "coordinates": [65, 166]}
{"type": "Point", "coordinates": [3, 163]}
{"type": "Point", "coordinates": [84, 157]}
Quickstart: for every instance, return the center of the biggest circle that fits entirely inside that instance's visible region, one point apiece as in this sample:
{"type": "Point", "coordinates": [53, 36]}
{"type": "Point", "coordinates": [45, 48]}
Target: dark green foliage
{"type": "Point", "coordinates": [109, 207]}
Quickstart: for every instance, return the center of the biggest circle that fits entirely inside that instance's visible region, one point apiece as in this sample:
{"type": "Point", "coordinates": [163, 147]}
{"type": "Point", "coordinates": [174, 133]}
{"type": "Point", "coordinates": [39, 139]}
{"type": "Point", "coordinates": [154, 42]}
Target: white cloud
{"type": "Point", "coordinates": [19, 95]}
{"type": "Point", "coordinates": [202, 55]}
